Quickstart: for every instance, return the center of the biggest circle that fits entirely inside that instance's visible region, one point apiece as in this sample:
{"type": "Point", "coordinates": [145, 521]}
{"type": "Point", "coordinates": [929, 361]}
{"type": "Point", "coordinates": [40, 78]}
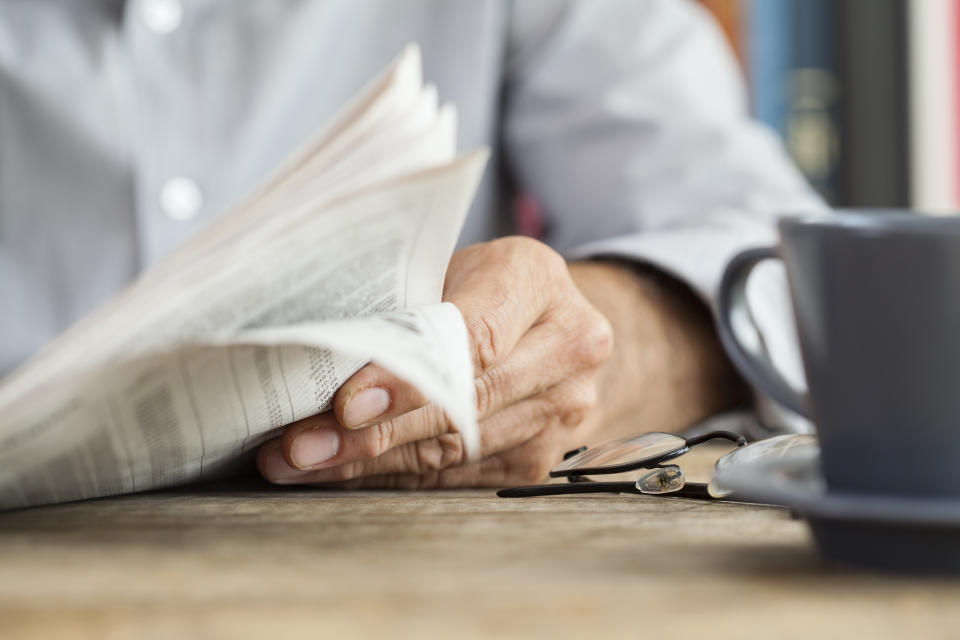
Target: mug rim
{"type": "Point", "coordinates": [871, 221]}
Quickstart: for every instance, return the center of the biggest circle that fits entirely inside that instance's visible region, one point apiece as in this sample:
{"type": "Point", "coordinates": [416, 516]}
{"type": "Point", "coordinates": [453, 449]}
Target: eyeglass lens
{"type": "Point", "coordinates": [637, 449]}
{"type": "Point", "coordinates": [787, 452]}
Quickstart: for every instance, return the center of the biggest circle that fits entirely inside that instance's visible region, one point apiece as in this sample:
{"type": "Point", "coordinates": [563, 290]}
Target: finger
{"type": "Point", "coordinates": [537, 363]}
{"type": "Point", "coordinates": [320, 441]}
{"type": "Point", "coordinates": [501, 288]}
{"type": "Point", "coordinates": [488, 472]}
{"type": "Point", "coordinates": [564, 406]}
{"type": "Point", "coordinates": [373, 395]}
{"type": "Point", "coordinates": [443, 450]}
{"type": "Point", "coordinates": [528, 463]}
{"type": "Point", "coordinates": [272, 465]}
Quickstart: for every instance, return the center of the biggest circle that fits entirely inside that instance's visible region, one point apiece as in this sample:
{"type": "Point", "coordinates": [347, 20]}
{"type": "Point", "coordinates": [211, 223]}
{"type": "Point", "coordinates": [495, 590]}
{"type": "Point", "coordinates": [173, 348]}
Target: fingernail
{"type": "Point", "coordinates": [313, 447]}
{"type": "Point", "coordinates": [365, 406]}
{"type": "Point", "coordinates": [276, 469]}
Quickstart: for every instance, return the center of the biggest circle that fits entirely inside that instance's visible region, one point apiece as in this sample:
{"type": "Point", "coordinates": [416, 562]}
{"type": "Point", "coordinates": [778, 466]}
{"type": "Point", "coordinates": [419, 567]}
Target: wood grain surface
{"type": "Point", "coordinates": [249, 560]}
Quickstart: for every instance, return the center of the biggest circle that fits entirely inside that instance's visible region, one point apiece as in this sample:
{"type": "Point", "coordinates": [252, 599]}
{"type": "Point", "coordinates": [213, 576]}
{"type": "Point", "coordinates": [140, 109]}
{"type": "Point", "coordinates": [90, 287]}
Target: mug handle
{"type": "Point", "coordinates": [741, 338]}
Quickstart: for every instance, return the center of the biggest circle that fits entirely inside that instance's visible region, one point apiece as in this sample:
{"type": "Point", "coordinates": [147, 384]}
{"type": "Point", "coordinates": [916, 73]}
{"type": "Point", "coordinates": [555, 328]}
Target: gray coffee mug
{"type": "Point", "coordinates": [876, 296]}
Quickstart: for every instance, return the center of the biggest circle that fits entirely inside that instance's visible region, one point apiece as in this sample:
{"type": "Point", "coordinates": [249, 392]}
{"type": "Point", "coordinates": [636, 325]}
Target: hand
{"type": "Point", "coordinates": [538, 348]}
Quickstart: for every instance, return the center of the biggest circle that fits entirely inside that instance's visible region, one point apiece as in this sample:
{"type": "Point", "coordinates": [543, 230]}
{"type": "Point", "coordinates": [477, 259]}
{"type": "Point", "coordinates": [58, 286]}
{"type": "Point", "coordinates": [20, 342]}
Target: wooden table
{"type": "Point", "coordinates": [247, 559]}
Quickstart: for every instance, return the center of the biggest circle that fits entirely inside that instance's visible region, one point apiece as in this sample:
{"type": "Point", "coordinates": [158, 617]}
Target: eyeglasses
{"type": "Point", "coordinates": [648, 452]}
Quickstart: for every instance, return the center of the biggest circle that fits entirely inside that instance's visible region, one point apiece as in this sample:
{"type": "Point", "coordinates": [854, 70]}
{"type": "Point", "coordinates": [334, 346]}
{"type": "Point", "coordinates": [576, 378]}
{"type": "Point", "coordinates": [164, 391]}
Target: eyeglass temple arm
{"type": "Point", "coordinates": [568, 489]}
{"type": "Point", "coordinates": [723, 435]}
{"type": "Point", "coordinates": [696, 490]}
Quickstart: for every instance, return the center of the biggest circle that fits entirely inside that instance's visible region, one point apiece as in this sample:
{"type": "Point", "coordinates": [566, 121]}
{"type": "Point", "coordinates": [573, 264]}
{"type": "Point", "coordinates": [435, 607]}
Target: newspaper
{"type": "Point", "coordinates": [336, 261]}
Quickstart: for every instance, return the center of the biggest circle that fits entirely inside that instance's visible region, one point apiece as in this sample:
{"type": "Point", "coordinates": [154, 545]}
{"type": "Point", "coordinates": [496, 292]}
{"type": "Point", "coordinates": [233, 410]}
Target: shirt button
{"type": "Point", "coordinates": [180, 199]}
{"type": "Point", "coordinates": [162, 16]}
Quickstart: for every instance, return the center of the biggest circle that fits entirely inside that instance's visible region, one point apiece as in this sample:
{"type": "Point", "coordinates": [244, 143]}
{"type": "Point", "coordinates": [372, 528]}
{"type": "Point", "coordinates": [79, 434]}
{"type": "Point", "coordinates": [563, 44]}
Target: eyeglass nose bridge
{"type": "Point", "coordinates": [662, 479]}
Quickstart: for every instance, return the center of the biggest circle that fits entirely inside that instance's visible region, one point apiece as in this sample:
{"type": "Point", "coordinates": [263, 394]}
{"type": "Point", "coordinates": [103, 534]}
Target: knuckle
{"type": "Point", "coordinates": [553, 263]}
{"type": "Point", "coordinates": [533, 255]}
{"type": "Point", "coordinates": [551, 410]}
{"type": "Point", "coordinates": [483, 387]}
{"type": "Point", "coordinates": [438, 453]}
{"type": "Point", "coordinates": [377, 439]}
{"type": "Point", "coordinates": [485, 336]}
{"type": "Point", "coordinates": [572, 417]}
{"type": "Point", "coordinates": [452, 451]}
{"type": "Point", "coordinates": [427, 456]}
{"type": "Point", "coordinates": [517, 245]}
{"type": "Point", "coordinates": [526, 247]}
{"type": "Point", "coordinates": [594, 341]}
{"type": "Point", "coordinates": [575, 401]}
{"type": "Point", "coordinates": [601, 338]}
{"type": "Point", "coordinates": [487, 388]}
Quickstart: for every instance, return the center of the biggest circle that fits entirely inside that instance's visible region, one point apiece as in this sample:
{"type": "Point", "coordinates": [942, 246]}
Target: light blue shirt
{"type": "Point", "coordinates": [125, 127]}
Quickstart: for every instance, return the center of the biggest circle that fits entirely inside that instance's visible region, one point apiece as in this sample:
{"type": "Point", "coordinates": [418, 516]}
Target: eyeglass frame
{"type": "Point", "coordinates": [578, 483]}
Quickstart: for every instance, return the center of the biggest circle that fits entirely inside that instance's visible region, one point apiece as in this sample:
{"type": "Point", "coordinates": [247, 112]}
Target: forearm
{"type": "Point", "coordinates": [668, 369]}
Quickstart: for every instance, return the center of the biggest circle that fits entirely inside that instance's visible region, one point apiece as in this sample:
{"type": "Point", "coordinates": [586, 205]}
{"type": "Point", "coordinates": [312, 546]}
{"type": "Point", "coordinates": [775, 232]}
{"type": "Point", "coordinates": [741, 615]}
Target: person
{"type": "Point", "coordinates": [125, 127]}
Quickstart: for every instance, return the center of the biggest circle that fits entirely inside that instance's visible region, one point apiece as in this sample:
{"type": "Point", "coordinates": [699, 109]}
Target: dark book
{"type": "Point", "coordinates": [873, 110]}
{"type": "Point", "coordinates": [794, 85]}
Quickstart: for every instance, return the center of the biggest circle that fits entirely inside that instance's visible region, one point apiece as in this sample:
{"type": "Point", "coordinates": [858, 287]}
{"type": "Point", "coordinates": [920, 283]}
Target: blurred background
{"type": "Point", "coordinates": [864, 93]}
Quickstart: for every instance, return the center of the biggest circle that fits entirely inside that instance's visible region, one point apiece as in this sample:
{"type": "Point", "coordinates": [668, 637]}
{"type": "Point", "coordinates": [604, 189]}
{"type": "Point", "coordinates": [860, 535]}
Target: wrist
{"type": "Point", "coordinates": [667, 369]}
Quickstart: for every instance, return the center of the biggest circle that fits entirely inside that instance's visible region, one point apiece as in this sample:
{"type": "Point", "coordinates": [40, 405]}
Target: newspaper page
{"type": "Point", "coordinates": [200, 411]}
{"type": "Point", "coordinates": [183, 375]}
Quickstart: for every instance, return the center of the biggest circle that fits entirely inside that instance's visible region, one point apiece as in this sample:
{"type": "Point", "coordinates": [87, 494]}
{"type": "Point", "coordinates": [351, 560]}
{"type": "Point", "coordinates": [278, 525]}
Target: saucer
{"type": "Point", "coordinates": [878, 531]}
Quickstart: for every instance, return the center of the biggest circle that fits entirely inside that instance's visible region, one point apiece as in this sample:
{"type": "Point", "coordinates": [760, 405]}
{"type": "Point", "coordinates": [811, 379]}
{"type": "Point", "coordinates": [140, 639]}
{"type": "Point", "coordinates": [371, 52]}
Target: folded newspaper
{"type": "Point", "coordinates": [337, 260]}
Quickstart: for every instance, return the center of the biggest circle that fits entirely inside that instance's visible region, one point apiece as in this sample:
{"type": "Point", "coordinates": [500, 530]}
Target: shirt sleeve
{"type": "Point", "coordinates": [627, 121]}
